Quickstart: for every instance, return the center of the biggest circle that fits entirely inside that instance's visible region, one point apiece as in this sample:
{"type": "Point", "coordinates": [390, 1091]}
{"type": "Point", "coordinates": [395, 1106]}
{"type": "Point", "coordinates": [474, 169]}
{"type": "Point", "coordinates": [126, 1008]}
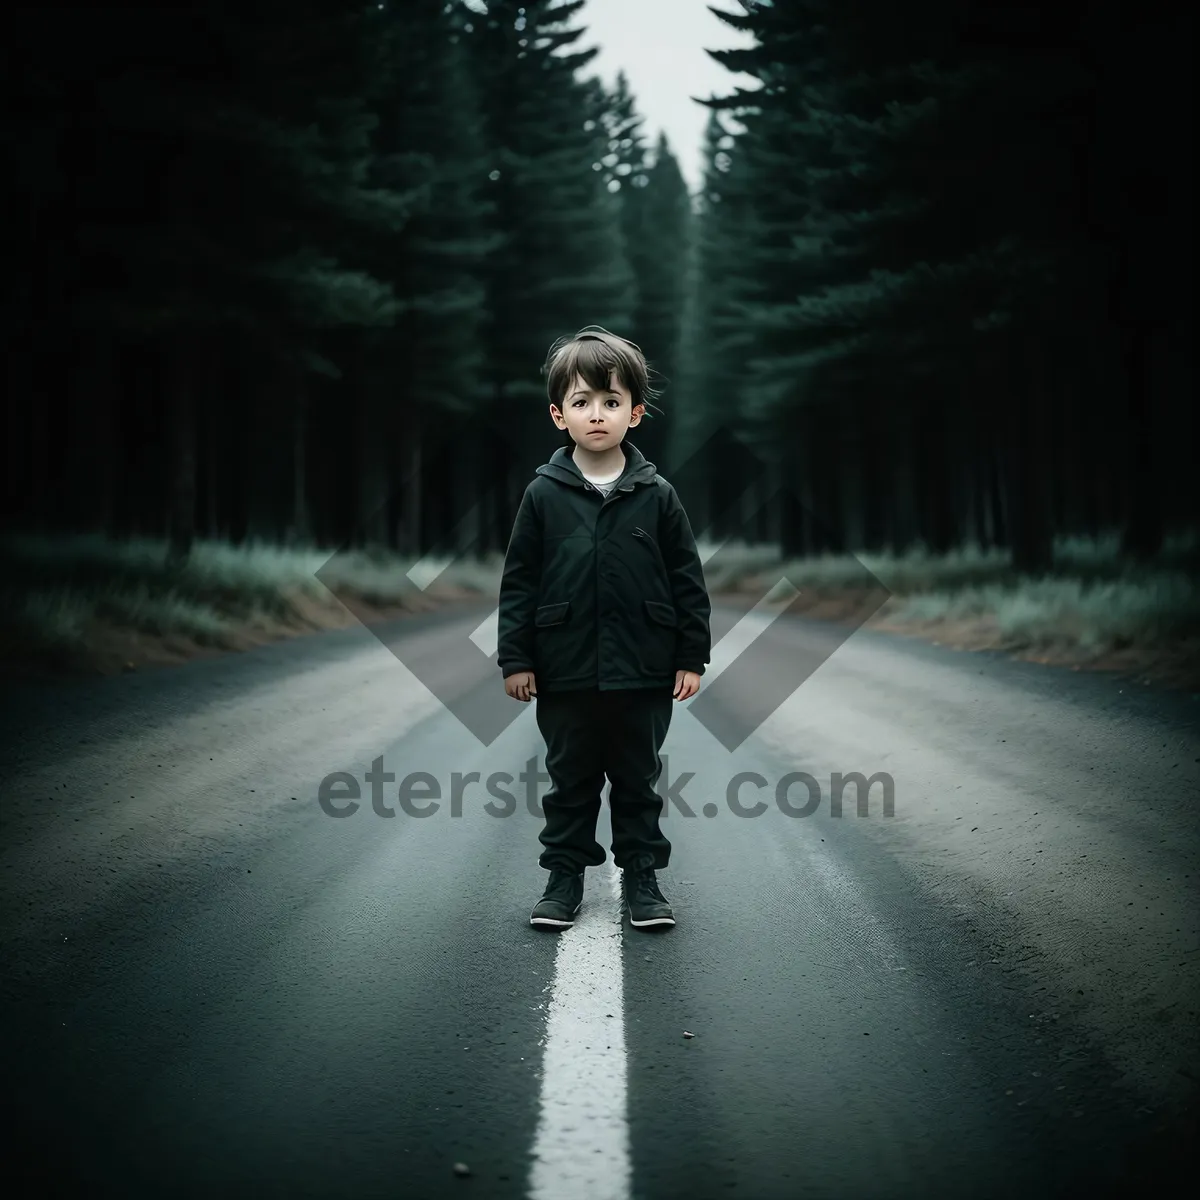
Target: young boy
{"type": "Point", "coordinates": [604, 619]}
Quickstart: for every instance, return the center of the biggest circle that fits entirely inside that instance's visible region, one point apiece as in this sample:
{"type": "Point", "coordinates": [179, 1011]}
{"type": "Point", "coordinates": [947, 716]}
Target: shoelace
{"type": "Point", "coordinates": [644, 886]}
{"type": "Point", "coordinates": [560, 885]}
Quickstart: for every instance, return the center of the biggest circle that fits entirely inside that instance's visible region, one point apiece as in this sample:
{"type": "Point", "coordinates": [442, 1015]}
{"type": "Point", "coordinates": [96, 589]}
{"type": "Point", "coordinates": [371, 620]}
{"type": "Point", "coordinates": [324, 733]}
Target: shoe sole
{"type": "Point", "coordinates": [652, 921]}
{"type": "Point", "coordinates": [551, 923]}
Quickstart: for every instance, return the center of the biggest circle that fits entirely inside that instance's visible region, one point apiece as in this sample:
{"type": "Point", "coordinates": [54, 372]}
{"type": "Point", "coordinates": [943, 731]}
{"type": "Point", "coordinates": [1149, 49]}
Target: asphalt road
{"type": "Point", "coordinates": [212, 987]}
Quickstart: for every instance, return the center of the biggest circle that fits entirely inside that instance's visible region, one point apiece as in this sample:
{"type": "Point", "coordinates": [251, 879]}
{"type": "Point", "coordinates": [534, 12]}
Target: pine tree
{"type": "Point", "coordinates": [655, 215]}
{"type": "Point", "coordinates": [422, 373]}
{"type": "Point", "coordinates": [561, 264]}
{"type": "Point", "coordinates": [895, 252]}
{"type": "Point", "coordinates": [662, 243]}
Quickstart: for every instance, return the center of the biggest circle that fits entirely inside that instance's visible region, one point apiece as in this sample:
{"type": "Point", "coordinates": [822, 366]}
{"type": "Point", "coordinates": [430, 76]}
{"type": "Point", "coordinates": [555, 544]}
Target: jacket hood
{"type": "Point", "coordinates": [638, 468]}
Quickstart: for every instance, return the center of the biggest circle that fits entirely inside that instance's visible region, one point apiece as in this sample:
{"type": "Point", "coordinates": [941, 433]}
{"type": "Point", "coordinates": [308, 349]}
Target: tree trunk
{"type": "Point", "coordinates": [482, 489]}
{"type": "Point", "coordinates": [903, 515]}
{"type": "Point", "coordinates": [929, 454]}
{"type": "Point", "coordinates": [980, 532]}
{"type": "Point", "coordinates": [372, 508]}
{"type": "Point", "coordinates": [212, 421]}
{"type": "Point", "coordinates": [408, 527]}
{"type": "Point", "coordinates": [37, 512]}
{"type": "Point", "coordinates": [266, 462]}
{"type": "Point", "coordinates": [875, 482]}
{"type": "Point", "coordinates": [763, 506]}
{"type": "Point", "coordinates": [827, 518]}
{"type": "Point", "coordinates": [1063, 480]}
{"type": "Point", "coordinates": [89, 483]}
{"type": "Point", "coordinates": [1143, 532]}
{"type": "Point", "coordinates": [300, 528]}
{"type": "Point", "coordinates": [181, 385]}
{"type": "Point", "coordinates": [979, 454]}
{"type": "Point", "coordinates": [794, 541]}
{"type": "Point", "coordinates": [997, 517]}
{"type": "Point", "coordinates": [1023, 457]}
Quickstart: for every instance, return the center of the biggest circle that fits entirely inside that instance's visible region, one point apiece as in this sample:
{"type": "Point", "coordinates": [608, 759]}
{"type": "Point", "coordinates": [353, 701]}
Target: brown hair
{"type": "Point", "coordinates": [595, 353]}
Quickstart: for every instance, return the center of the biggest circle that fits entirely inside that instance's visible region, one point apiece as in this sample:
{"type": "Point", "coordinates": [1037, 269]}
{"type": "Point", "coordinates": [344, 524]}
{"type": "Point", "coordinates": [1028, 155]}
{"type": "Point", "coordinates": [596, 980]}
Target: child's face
{"type": "Point", "coordinates": [597, 420]}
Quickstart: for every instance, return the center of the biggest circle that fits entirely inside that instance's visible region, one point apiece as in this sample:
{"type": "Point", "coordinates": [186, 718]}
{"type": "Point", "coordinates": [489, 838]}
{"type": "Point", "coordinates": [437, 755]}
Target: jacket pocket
{"type": "Point", "coordinates": [552, 614]}
{"type": "Point", "coordinates": [664, 614]}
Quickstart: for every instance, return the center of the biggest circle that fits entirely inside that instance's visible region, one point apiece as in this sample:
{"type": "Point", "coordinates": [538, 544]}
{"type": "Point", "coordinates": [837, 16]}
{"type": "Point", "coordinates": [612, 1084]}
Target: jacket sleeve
{"type": "Point", "coordinates": [520, 585]}
{"type": "Point", "coordinates": [687, 586]}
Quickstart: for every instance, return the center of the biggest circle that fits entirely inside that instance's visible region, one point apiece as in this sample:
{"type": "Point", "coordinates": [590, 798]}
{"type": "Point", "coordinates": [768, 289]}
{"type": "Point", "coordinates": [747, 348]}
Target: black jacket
{"type": "Point", "coordinates": [602, 591]}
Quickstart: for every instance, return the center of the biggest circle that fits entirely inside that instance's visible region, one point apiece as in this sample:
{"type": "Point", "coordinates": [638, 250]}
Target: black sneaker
{"type": "Point", "coordinates": [562, 899]}
{"type": "Point", "coordinates": [644, 902]}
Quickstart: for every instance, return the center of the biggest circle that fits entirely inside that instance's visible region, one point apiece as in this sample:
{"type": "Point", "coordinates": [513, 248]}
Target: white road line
{"type": "Point", "coordinates": [582, 1145]}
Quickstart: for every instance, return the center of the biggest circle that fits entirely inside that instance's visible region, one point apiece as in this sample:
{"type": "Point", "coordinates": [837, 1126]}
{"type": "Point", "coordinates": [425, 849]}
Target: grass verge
{"type": "Point", "coordinates": [89, 603]}
{"type": "Point", "coordinates": [98, 604]}
{"type": "Point", "coordinates": [1093, 609]}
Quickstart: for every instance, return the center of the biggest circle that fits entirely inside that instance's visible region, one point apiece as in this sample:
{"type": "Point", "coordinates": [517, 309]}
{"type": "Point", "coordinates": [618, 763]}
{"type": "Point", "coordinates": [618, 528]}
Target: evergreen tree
{"type": "Point", "coordinates": [654, 216]}
{"type": "Point", "coordinates": [662, 242]}
{"type": "Point", "coordinates": [423, 372]}
{"type": "Point", "coordinates": [921, 266]}
{"type": "Point", "coordinates": [561, 264]}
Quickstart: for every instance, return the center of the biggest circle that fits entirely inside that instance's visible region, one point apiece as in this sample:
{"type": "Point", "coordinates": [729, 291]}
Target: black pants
{"type": "Point", "coordinates": [590, 734]}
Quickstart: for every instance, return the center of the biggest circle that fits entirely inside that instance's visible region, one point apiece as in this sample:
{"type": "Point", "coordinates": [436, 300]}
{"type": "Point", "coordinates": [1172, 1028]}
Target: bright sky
{"type": "Point", "coordinates": [660, 45]}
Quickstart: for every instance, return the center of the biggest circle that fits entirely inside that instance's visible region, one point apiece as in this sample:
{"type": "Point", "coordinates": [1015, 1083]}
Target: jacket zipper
{"type": "Point", "coordinates": [596, 578]}
{"type": "Point", "coordinates": [596, 562]}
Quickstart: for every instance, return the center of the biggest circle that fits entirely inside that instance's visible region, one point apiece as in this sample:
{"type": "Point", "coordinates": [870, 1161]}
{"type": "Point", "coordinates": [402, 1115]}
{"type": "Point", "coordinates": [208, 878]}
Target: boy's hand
{"type": "Point", "coordinates": [521, 686]}
{"type": "Point", "coordinates": [687, 683]}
